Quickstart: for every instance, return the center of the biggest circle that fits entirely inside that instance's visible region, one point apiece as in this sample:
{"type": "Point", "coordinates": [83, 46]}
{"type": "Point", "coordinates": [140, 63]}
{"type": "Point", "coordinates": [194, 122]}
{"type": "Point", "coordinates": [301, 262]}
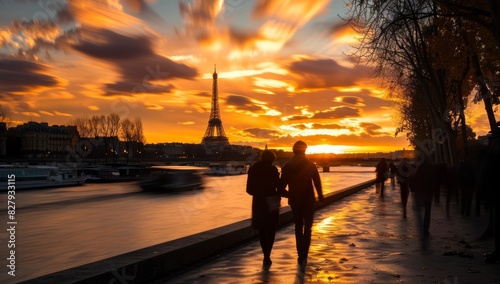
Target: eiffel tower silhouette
{"type": "Point", "coordinates": [214, 135]}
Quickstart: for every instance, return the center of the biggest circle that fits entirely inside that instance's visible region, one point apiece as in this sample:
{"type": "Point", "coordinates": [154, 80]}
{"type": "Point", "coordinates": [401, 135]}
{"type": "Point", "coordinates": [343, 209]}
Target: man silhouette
{"type": "Point", "coordinates": [300, 174]}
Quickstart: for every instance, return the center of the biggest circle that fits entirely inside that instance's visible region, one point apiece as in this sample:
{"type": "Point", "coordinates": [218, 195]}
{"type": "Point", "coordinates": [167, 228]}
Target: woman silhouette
{"type": "Point", "coordinates": [262, 180]}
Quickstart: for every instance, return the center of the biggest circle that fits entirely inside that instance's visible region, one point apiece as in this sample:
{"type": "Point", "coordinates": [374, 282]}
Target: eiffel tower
{"type": "Point", "coordinates": [215, 136]}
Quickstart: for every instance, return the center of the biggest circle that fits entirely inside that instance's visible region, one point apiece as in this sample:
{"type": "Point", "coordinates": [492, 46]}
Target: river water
{"type": "Point", "coordinates": [66, 227]}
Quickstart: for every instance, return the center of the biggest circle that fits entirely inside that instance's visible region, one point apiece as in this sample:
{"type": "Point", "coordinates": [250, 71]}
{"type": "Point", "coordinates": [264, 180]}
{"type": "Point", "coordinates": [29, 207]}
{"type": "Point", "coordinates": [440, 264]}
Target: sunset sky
{"type": "Point", "coordinates": [282, 65]}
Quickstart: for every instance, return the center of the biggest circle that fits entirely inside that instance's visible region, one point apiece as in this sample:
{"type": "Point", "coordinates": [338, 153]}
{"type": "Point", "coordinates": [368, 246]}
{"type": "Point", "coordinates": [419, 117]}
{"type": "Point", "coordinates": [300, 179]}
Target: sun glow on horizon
{"type": "Point", "coordinates": [320, 149]}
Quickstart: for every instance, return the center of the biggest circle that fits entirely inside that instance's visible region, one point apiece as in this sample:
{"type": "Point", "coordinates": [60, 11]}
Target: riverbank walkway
{"type": "Point", "coordinates": [363, 238]}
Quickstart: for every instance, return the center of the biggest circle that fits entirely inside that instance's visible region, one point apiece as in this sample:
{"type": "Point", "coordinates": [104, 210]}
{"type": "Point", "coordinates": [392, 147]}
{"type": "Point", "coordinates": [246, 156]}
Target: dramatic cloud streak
{"type": "Point", "coordinates": [326, 73]}
{"type": "Point", "coordinates": [140, 68]}
{"type": "Point", "coordinates": [18, 76]}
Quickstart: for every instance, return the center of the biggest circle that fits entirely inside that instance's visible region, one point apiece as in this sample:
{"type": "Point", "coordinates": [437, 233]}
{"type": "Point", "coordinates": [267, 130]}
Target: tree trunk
{"type": "Point", "coordinates": [484, 92]}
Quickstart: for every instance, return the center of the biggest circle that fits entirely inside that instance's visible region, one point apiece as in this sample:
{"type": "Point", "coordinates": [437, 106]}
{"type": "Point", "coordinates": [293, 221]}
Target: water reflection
{"type": "Point", "coordinates": [323, 226]}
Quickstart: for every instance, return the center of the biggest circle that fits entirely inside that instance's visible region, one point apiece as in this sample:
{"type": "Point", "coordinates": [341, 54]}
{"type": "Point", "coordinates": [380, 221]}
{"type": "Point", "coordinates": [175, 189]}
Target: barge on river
{"type": "Point", "coordinates": [27, 177]}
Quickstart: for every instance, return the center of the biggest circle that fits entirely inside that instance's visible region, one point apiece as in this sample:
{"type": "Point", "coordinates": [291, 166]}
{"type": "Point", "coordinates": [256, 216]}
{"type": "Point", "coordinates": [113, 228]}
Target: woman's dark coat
{"type": "Point", "coordinates": [261, 184]}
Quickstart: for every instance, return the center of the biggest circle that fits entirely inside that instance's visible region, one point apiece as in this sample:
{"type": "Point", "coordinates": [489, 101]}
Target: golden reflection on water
{"type": "Point", "coordinates": [337, 218]}
{"type": "Point", "coordinates": [355, 207]}
{"type": "Point", "coordinates": [322, 227]}
{"type": "Point", "coordinates": [331, 236]}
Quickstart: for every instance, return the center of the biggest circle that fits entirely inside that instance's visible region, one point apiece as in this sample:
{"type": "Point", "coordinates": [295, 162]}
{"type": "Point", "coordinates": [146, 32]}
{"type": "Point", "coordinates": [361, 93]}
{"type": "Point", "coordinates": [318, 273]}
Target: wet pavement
{"type": "Point", "coordinates": [364, 238]}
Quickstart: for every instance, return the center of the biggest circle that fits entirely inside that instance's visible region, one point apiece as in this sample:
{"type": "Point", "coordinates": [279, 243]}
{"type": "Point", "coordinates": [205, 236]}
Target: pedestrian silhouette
{"type": "Point", "coordinates": [392, 174]}
{"type": "Point", "coordinates": [381, 176]}
{"type": "Point", "coordinates": [450, 184]}
{"type": "Point", "coordinates": [441, 176]}
{"type": "Point", "coordinates": [301, 176]}
{"type": "Point", "coordinates": [262, 181]}
{"type": "Point", "coordinates": [402, 175]}
{"type": "Point", "coordinates": [423, 182]}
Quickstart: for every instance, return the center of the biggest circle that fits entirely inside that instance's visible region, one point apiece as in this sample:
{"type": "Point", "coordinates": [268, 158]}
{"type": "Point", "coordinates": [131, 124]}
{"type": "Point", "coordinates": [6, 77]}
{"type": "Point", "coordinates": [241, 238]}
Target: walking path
{"type": "Point", "coordinates": [364, 238]}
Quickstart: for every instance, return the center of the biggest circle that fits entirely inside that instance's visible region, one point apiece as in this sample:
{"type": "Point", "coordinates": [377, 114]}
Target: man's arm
{"type": "Point", "coordinates": [282, 183]}
{"type": "Point", "coordinates": [317, 183]}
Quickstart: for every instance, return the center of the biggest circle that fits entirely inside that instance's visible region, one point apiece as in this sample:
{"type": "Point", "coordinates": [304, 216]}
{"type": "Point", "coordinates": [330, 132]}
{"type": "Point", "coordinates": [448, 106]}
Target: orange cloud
{"type": "Point", "coordinates": [62, 113]}
{"type": "Point", "coordinates": [46, 113]}
{"type": "Point", "coordinates": [141, 70]}
{"type": "Point", "coordinates": [351, 100]}
{"type": "Point", "coordinates": [93, 107]}
{"type": "Point", "coordinates": [372, 129]}
{"type": "Point", "coordinates": [30, 114]}
{"type": "Point", "coordinates": [285, 17]}
{"type": "Point", "coordinates": [298, 11]}
{"type": "Point", "coordinates": [27, 38]}
{"type": "Point", "coordinates": [269, 83]}
{"type": "Point", "coordinates": [21, 76]}
{"type": "Point", "coordinates": [314, 73]}
{"type": "Point", "coordinates": [200, 15]}
{"type": "Point", "coordinates": [343, 33]}
{"type": "Point", "coordinates": [143, 10]}
{"type": "Point", "coordinates": [281, 20]}
{"type": "Point", "coordinates": [252, 107]}
{"type": "Point", "coordinates": [153, 106]}
{"type": "Point", "coordinates": [101, 14]}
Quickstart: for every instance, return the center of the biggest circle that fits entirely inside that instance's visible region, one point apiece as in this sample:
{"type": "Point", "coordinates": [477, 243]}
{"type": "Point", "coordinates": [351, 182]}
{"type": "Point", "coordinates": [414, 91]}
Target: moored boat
{"type": "Point", "coordinates": [133, 172]}
{"type": "Point", "coordinates": [69, 176]}
{"type": "Point", "coordinates": [96, 174]}
{"type": "Point", "coordinates": [223, 169]}
{"type": "Point", "coordinates": [27, 177]}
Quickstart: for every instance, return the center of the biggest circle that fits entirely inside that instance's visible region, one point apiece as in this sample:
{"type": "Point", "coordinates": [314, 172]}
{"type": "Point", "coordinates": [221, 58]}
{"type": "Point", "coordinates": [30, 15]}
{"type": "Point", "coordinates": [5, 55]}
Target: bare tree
{"type": "Point", "coordinates": [109, 129]}
{"type": "Point", "coordinates": [113, 121]}
{"type": "Point", "coordinates": [139, 139]}
{"type": "Point", "coordinates": [424, 51]}
{"type": "Point", "coordinates": [139, 133]}
{"type": "Point", "coordinates": [96, 125]}
{"type": "Point", "coordinates": [5, 115]}
{"type": "Point", "coordinates": [396, 42]}
{"type": "Point", "coordinates": [127, 134]}
{"type": "Point", "coordinates": [83, 125]}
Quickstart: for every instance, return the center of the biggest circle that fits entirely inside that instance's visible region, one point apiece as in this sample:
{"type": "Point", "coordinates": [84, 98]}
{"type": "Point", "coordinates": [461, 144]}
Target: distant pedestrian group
{"type": "Point", "coordinates": [473, 178]}
{"type": "Point", "coordinates": [420, 178]}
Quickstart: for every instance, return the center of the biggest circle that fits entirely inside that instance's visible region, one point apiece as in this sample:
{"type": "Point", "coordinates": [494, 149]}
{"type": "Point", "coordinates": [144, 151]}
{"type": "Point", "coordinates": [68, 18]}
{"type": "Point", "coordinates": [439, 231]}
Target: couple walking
{"type": "Point", "coordinates": [267, 188]}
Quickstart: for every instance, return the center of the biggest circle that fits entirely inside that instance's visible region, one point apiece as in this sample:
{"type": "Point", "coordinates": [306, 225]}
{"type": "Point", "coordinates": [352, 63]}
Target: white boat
{"type": "Point", "coordinates": [100, 174]}
{"type": "Point", "coordinates": [223, 169]}
{"type": "Point", "coordinates": [69, 176]}
{"type": "Point", "coordinates": [26, 177]}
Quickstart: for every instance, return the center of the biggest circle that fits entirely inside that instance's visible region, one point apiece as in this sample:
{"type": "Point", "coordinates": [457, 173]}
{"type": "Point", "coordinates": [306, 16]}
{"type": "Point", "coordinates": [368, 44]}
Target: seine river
{"type": "Point", "coordinates": [66, 227]}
